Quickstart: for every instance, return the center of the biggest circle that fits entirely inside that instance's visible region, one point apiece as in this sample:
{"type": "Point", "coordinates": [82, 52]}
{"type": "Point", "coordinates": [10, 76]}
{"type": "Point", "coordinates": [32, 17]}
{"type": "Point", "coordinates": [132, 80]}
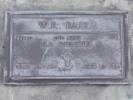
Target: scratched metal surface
{"type": "Point", "coordinates": [67, 47]}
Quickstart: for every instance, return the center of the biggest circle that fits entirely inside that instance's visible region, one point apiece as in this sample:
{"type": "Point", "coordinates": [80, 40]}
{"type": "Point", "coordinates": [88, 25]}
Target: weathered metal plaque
{"type": "Point", "coordinates": [67, 47]}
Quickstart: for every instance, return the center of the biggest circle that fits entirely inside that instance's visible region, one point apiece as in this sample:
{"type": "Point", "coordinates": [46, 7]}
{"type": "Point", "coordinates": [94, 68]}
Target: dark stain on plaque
{"type": "Point", "coordinates": [67, 47]}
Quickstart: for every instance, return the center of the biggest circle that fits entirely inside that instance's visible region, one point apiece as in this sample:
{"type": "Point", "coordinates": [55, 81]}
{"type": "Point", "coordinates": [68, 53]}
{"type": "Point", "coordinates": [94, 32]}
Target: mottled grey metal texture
{"type": "Point", "coordinates": [67, 48]}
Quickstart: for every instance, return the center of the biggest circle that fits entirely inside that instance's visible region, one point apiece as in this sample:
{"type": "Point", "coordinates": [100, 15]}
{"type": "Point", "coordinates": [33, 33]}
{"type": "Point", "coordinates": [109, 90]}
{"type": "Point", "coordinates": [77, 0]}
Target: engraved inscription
{"type": "Point", "coordinates": [68, 24]}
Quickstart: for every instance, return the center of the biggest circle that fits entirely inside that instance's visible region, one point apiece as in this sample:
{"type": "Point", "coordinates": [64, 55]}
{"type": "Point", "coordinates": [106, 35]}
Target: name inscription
{"type": "Point", "coordinates": [78, 25]}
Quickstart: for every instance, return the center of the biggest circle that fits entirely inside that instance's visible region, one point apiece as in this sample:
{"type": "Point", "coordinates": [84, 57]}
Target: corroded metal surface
{"type": "Point", "coordinates": [67, 47]}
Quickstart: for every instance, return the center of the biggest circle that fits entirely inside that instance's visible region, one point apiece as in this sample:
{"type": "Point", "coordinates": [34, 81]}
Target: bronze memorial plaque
{"type": "Point", "coordinates": [64, 47]}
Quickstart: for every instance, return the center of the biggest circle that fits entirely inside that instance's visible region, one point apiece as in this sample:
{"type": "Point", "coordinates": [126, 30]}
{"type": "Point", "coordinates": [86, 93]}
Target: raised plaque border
{"type": "Point", "coordinates": [9, 80]}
